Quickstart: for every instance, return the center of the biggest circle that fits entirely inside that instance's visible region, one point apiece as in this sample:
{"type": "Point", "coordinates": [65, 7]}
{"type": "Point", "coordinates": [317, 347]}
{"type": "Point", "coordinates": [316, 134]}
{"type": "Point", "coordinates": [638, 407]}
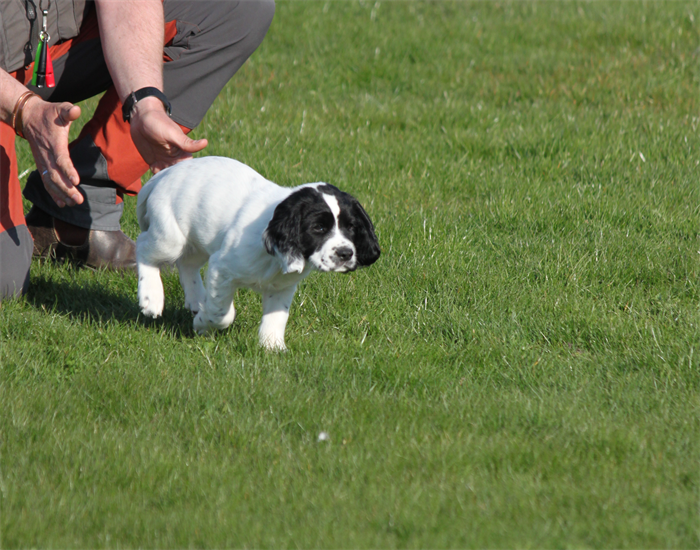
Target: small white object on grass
{"type": "Point", "coordinates": [323, 436]}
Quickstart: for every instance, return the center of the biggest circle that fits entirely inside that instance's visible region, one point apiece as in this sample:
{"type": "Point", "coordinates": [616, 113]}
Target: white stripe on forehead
{"type": "Point", "coordinates": [332, 203]}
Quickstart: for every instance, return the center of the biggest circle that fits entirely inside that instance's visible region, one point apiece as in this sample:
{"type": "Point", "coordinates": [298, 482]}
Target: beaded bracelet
{"type": "Point", "coordinates": [17, 125]}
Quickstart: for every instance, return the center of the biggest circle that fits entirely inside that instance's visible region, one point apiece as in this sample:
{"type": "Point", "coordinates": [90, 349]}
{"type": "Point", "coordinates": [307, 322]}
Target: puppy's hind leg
{"type": "Point", "coordinates": [149, 258]}
{"type": "Point", "coordinates": [191, 280]}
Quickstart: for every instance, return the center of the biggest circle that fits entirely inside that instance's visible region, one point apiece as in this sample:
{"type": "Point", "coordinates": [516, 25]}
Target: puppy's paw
{"type": "Point", "coordinates": [220, 319]}
{"type": "Point", "coordinates": [273, 343]}
{"type": "Point", "coordinates": [151, 303]}
{"type": "Point", "coordinates": [150, 291]}
{"type": "Point", "coordinates": [151, 307]}
{"type": "Point", "coordinates": [194, 301]}
{"type": "Point", "coordinates": [194, 306]}
{"type": "Point", "coordinates": [201, 324]}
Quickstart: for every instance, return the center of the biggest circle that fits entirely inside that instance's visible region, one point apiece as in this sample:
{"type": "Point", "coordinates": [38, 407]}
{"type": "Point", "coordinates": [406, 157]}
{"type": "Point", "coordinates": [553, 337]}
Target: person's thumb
{"type": "Point", "coordinates": [68, 113]}
{"type": "Point", "coordinates": [193, 145]}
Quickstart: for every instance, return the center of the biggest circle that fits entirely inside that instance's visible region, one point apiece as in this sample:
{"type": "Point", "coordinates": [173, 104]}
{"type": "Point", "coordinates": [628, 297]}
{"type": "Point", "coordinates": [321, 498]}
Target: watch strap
{"type": "Point", "coordinates": [134, 97]}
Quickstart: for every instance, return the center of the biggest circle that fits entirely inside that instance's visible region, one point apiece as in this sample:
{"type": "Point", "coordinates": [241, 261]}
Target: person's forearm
{"type": "Point", "coordinates": [132, 41]}
{"type": "Point", "coordinates": [132, 33]}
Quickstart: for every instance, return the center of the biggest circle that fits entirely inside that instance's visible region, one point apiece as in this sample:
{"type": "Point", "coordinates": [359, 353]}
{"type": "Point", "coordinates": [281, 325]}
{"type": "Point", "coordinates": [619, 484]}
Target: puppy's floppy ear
{"type": "Point", "coordinates": [365, 240]}
{"type": "Point", "coordinates": [282, 237]}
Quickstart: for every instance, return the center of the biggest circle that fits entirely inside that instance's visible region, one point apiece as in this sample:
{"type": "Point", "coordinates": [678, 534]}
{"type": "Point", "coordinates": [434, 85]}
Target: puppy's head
{"type": "Point", "coordinates": [324, 226]}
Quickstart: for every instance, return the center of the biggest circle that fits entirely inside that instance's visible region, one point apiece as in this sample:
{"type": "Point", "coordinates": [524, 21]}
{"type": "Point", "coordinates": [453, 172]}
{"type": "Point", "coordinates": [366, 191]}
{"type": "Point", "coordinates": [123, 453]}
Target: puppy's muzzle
{"type": "Point", "coordinates": [344, 254]}
{"type": "Point", "coordinates": [344, 259]}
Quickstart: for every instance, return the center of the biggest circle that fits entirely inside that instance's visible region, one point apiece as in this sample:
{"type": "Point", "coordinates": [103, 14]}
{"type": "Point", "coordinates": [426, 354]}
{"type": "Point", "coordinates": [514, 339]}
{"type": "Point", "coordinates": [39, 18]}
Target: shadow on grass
{"type": "Point", "coordinates": [100, 296]}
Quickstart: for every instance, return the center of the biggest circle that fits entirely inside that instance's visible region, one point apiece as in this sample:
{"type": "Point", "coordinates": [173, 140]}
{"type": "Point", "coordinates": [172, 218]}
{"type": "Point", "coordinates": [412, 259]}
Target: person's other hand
{"type": "Point", "coordinates": [158, 138]}
{"type": "Point", "coordinates": [45, 127]}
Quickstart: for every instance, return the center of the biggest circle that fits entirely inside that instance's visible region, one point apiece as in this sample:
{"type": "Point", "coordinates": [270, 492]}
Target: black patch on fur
{"type": "Point", "coordinates": [300, 224]}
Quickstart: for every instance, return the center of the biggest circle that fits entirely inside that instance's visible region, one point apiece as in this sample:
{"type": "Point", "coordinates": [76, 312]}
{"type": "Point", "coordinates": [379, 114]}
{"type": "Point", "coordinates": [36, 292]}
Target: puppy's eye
{"type": "Point", "coordinates": [318, 228]}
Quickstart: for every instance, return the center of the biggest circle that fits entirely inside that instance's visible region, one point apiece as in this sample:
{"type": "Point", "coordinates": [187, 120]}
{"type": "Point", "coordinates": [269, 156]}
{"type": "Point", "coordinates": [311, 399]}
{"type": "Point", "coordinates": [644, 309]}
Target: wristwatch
{"type": "Point", "coordinates": [138, 95]}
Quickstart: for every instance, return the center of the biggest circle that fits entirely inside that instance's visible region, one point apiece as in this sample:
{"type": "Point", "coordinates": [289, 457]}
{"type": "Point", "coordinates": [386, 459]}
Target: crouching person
{"type": "Point", "coordinates": [160, 63]}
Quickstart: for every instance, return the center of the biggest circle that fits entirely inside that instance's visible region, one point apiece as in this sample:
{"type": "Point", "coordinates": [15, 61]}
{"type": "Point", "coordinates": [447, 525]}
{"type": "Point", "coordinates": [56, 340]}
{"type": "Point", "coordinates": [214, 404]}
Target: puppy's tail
{"type": "Point", "coordinates": [142, 207]}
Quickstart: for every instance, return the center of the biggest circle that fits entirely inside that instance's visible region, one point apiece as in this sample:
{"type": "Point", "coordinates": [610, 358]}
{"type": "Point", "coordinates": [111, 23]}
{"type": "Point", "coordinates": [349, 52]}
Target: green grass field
{"type": "Point", "coordinates": [517, 370]}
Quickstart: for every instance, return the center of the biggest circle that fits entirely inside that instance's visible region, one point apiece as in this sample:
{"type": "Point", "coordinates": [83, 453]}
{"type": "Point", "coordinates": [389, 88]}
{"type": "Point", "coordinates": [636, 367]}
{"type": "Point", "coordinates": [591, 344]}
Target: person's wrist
{"type": "Point", "coordinates": [146, 105]}
{"type": "Point", "coordinates": [145, 97]}
{"type": "Point", "coordinates": [20, 111]}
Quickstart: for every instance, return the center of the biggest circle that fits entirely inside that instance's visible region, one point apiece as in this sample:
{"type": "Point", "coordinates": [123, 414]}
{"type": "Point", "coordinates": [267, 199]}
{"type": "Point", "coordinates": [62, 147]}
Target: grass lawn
{"type": "Point", "coordinates": [517, 370]}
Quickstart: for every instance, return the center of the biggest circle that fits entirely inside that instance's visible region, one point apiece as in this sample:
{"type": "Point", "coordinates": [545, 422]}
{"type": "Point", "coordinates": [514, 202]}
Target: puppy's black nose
{"type": "Point", "coordinates": [344, 253]}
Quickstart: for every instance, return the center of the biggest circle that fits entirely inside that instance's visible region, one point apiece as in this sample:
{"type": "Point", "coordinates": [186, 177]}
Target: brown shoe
{"type": "Point", "coordinates": [60, 241]}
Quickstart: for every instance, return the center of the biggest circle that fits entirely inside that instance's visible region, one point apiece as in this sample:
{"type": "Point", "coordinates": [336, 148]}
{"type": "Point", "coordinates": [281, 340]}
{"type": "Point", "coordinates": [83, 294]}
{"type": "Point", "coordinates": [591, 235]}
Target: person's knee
{"type": "Point", "coordinates": [249, 23]}
{"type": "Point", "coordinates": [266, 13]}
{"type": "Point", "coordinates": [214, 40]}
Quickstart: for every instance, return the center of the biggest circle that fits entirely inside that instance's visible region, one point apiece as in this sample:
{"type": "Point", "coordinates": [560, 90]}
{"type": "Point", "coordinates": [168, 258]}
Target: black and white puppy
{"type": "Point", "coordinates": [254, 233]}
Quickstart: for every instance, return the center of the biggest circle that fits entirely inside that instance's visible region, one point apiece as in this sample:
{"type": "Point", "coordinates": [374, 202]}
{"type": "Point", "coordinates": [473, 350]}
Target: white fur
{"type": "Point", "coordinates": [216, 209]}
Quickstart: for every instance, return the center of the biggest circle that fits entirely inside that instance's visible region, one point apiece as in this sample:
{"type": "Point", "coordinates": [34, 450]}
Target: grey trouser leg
{"type": "Point", "coordinates": [213, 40]}
{"type": "Point", "coordinates": [15, 258]}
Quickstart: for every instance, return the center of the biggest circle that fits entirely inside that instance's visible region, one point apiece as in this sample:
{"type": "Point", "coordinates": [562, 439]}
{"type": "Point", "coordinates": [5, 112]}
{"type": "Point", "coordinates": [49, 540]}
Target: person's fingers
{"type": "Point", "coordinates": [162, 165]}
{"type": "Point", "coordinates": [57, 194]}
{"type": "Point", "coordinates": [68, 178]}
{"type": "Point", "coordinates": [61, 178]}
{"type": "Point", "coordinates": [53, 190]}
{"type": "Point", "coordinates": [177, 154]}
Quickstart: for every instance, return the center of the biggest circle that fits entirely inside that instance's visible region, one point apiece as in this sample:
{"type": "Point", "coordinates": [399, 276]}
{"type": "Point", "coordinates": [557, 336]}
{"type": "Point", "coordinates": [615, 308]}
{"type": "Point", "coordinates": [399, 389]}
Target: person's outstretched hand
{"type": "Point", "coordinates": [46, 128]}
{"type": "Point", "coordinates": [158, 138]}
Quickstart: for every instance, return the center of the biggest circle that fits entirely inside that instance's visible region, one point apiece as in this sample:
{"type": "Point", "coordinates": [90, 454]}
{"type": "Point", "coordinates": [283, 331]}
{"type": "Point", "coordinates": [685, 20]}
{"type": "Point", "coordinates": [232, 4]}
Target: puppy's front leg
{"type": "Point", "coordinates": [218, 311]}
{"type": "Point", "coordinates": [274, 321]}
